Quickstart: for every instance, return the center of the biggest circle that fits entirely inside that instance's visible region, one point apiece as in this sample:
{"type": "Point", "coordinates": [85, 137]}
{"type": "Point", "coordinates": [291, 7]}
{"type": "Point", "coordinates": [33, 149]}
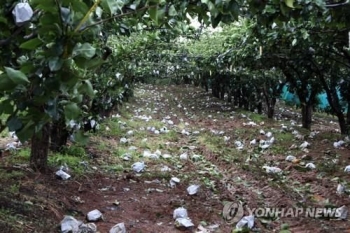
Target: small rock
{"type": "Point", "coordinates": [340, 189]}
{"type": "Point", "coordinates": [70, 224]}
{"type": "Point", "coordinates": [342, 212]}
{"type": "Point", "coordinates": [193, 189]}
{"type": "Point", "coordinates": [290, 158]}
{"type": "Point", "coordinates": [132, 148]}
{"type": "Point", "coordinates": [246, 221]}
{"type": "Point", "coordinates": [310, 166]}
{"type": "Point", "coordinates": [347, 168]}
{"type": "Point", "coordinates": [304, 145]}
{"type": "Point", "coordinates": [124, 140]}
{"type": "Point", "coordinates": [306, 157]}
{"type": "Point", "coordinates": [138, 166]}
{"type": "Point", "coordinates": [94, 215]}
{"type": "Point", "coordinates": [166, 156]}
{"type": "Point", "coordinates": [165, 169]}
{"type": "Point", "coordinates": [253, 142]}
{"type": "Point", "coordinates": [272, 169]}
{"type": "Point", "coordinates": [174, 181]}
{"type": "Point", "coordinates": [87, 228]}
{"type": "Point", "coordinates": [119, 228]}
{"type": "Point", "coordinates": [184, 156]}
{"type": "Point", "coordinates": [63, 175]}
{"type": "Point", "coordinates": [338, 144]}
{"type": "Point", "coordinates": [180, 213]}
{"type": "Point", "coordinates": [183, 222]}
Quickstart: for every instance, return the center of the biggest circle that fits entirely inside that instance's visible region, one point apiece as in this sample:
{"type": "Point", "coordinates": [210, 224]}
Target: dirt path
{"type": "Point", "coordinates": [206, 130]}
{"type": "Point", "coordinates": [248, 183]}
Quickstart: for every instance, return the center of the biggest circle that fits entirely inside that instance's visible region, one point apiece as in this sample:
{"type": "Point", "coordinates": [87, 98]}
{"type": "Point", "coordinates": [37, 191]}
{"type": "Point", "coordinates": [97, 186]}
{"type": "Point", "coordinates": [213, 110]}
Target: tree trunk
{"type": "Point", "coordinates": [59, 136]}
{"type": "Point", "coordinates": [306, 114]}
{"type": "Point", "coordinates": [270, 111]}
{"type": "Point", "coordinates": [40, 149]}
{"type": "Point", "coordinates": [215, 88]}
{"type": "Point", "coordinates": [270, 103]}
{"type": "Point", "coordinates": [271, 108]}
{"type": "Point", "coordinates": [334, 103]}
{"type": "Point", "coordinates": [348, 119]}
{"type": "Point", "coordinates": [236, 98]}
{"type": "Point", "coordinates": [259, 107]}
{"type": "Point", "coordinates": [342, 124]}
{"type": "Point", "coordinates": [229, 96]}
{"type": "Point", "coordinates": [222, 93]}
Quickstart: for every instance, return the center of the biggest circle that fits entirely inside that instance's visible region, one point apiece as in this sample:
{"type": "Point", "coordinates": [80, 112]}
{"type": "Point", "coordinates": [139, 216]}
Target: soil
{"type": "Point", "coordinates": [145, 203]}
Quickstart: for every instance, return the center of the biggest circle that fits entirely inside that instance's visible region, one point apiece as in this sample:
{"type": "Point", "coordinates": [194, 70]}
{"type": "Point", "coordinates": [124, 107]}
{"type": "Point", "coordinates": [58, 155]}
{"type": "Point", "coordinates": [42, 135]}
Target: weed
{"type": "Point", "coordinates": [284, 136]}
{"type": "Point", "coordinates": [114, 168]}
{"type": "Point", "coordinates": [14, 189]}
{"type": "Point", "coordinates": [73, 162]}
{"type": "Point", "coordinates": [19, 156]}
{"type": "Point", "coordinates": [74, 150]}
{"type": "Point", "coordinates": [257, 118]}
{"type": "Point", "coordinates": [13, 175]}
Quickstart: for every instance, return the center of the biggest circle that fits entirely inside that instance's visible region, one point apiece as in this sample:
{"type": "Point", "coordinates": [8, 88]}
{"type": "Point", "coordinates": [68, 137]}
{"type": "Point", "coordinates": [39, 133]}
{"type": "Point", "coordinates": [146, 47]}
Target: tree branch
{"type": "Point", "coordinates": [117, 16]}
{"type": "Point", "coordinates": [7, 41]}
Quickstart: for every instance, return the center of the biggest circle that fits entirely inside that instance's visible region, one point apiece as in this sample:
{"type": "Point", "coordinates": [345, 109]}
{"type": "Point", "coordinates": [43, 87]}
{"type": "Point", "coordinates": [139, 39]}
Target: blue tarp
{"type": "Point", "coordinates": [293, 98]}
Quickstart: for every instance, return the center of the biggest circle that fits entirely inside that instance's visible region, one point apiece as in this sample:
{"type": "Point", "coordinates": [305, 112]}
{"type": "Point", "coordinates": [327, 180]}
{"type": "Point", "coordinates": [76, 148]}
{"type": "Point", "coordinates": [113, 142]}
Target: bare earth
{"type": "Point", "coordinates": [146, 202]}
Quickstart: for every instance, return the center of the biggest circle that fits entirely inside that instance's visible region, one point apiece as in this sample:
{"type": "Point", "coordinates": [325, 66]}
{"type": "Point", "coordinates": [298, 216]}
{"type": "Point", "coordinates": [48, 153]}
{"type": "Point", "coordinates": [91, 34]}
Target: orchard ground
{"type": "Point", "coordinates": [103, 179]}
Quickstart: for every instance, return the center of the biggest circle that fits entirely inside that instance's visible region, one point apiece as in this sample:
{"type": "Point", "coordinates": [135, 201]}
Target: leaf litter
{"type": "Point", "coordinates": [230, 157]}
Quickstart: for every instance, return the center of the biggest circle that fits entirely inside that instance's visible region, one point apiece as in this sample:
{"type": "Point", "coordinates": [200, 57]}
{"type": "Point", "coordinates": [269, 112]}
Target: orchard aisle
{"type": "Point", "coordinates": [182, 132]}
{"type": "Point", "coordinates": [138, 167]}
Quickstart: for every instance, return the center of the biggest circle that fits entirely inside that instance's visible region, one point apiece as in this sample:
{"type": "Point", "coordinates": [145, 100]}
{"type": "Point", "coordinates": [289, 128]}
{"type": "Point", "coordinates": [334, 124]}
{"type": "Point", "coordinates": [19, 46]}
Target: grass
{"type": "Point", "coordinates": [332, 137]}
{"type": "Point", "coordinates": [283, 137]}
{"type": "Point", "coordinates": [9, 221]}
{"type": "Point", "coordinates": [211, 143]}
{"type": "Point", "coordinates": [73, 163]}
{"type": "Point", "coordinates": [217, 156]}
{"type": "Point", "coordinates": [257, 118]}
{"type": "Point", "coordinates": [3, 118]}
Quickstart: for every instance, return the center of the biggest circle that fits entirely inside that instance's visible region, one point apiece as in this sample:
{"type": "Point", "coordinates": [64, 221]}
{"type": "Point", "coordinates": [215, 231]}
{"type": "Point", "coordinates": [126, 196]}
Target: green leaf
{"type": "Point", "coordinates": [98, 12]}
{"type": "Point", "coordinates": [6, 84]}
{"type": "Point", "coordinates": [6, 107]}
{"type": "Point", "coordinates": [31, 44]}
{"type": "Point", "coordinates": [153, 14]}
{"type": "Point", "coordinates": [156, 14]}
{"type": "Point", "coordinates": [172, 11]}
{"type": "Point", "coordinates": [86, 50]}
{"type": "Point", "coordinates": [16, 76]}
{"type": "Point", "coordinates": [115, 5]}
{"type": "Point", "coordinates": [3, 20]}
{"type": "Point", "coordinates": [284, 226]}
{"type": "Point", "coordinates": [26, 132]}
{"type": "Point", "coordinates": [294, 42]}
{"type": "Point", "coordinates": [78, 98]}
{"type": "Point", "coordinates": [52, 109]}
{"type": "Point", "coordinates": [80, 137]}
{"type": "Point", "coordinates": [289, 3]}
{"type": "Point", "coordinates": [71, 111]}
{"type": "Point", "coordinates": [66, 15]}
{"type": "Point", "coordinates": [14, 123]}
{"type": "Point", "coordinates": [88, 63]}
{"type": "Point", "coordinates": [77, 6]}
{"type": "Point", "coordinates": [87, 88]}
{"type": "Point", "coordinates": [55, 63]}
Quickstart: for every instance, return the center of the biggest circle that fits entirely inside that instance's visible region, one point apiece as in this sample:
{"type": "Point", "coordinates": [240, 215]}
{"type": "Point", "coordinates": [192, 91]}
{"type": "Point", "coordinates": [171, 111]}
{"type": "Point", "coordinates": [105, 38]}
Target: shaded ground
{"type": "Point", "coordinates": [37, 203]}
